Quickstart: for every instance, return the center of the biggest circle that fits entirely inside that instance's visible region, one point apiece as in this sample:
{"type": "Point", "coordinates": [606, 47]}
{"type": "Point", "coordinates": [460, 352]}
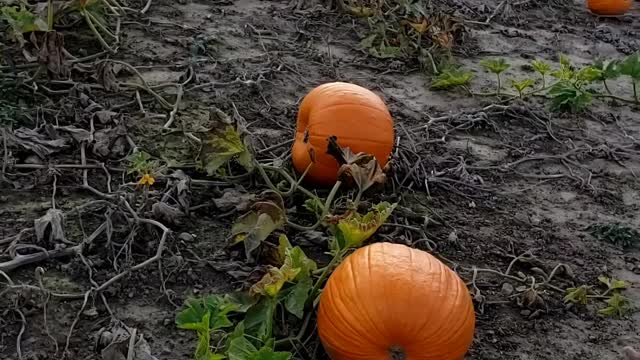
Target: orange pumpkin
{"type": "Point", "coordinates": [356, 116]}
{"type": "Point", "coordinates": [609, 7]}
{"type": "Point", "coordinates": [391, 302]}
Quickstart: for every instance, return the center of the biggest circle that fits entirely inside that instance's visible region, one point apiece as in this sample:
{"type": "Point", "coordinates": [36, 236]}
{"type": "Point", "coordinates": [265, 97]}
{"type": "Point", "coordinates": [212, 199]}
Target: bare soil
{"type": "Point", "coordinates": [264, 57]}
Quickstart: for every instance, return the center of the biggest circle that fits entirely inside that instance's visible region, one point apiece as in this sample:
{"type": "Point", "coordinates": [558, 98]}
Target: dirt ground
{"type": "Point", "coordinates": [488, 205]}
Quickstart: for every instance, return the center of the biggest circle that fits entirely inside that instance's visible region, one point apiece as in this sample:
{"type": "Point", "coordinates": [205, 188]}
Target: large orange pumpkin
{"type": "Point", "coordinates": [356, 116]}
{"type": "Point", "coordinates": [391, 302]}
{"type": "Point", "coordinates": [609, 7]}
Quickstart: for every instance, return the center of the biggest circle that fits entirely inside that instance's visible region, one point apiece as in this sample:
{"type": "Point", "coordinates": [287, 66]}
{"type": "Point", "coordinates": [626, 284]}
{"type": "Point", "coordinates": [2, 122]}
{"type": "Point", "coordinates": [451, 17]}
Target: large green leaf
{"type": "Point", "coordinates": [215, 306]}
{"type": "Point", "coordinates": [297, 297]}
{"type": "Point", "coordinates": [241, 349]}
{"type": "Point", "coordinates": [258, 321]}
{"type": "Point", "coordinates": [631, 66]}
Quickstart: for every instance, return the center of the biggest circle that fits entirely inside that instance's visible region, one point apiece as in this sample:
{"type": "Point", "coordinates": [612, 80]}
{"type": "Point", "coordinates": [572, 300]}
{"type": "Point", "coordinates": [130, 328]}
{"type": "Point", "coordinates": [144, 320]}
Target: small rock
{"type": "Point", "coordinates": [185, 237]}
{"type": "Point", "coordinates": [525, 313]}
{"type": "Point", "coordinates": [453, 237]}
{"type": "Point", "coordinates": [91, 312]}
{"type": "Point", "coordinates": [166, 322]}
{"type": "Point", "coordinates": [507, 289]}
{"type": "Point", "coordinates": [629, 266]}
{"type": "Point", "coordinates": [131, 295]}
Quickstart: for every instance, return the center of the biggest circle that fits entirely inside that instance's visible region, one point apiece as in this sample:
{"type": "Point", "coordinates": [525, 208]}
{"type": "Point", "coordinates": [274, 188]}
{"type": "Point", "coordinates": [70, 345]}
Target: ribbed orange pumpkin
{"type": "Point", "coordinates": [391, 302]}
{"type": "Point", "coordinates": [356, 116]}
{"type": "Point", "coordinates": [609, 7]}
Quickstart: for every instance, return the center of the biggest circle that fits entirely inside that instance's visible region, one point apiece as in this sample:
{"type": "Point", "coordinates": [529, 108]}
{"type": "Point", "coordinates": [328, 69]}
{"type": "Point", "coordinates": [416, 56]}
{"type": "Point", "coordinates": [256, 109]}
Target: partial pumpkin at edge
{"type": "Point", "coordinates": [609, 7]}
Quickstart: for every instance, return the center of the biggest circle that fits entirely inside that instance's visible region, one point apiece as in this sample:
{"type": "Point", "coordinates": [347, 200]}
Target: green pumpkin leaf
{"type": "Point", "coordinates": [297, 297]}
{"type": "Point", "coordinates": [241, 349]}
{"type": "Point", "coordinates": [314, 205]}
{"type": "Point", "coordinates": [589, 74]}
{"type": "Point", "coordinates": [296, 266]}
{"type": "Point", "coordinates": [22, 21]}
{"type": "Point", "coordinates": [541, 67]}
{"type": "Point", "coordinates": [630, 66]}
{"type": "Point", "coordinates": [577, 295]}
{"type": "Point", "coordinates": [357, 228]}
{"type": "Point", "coordinates": [522, 85]}
{"type": "Point", "coordinates": [451, 79]}
{"type": "Point", "coordinates": [609, 70]}
{"type": "Point", "coordinates": [496, 66]}
{"type": "Point", "coordinates": [618, 305]}
{"type": "Point", "coordinates": [297, 259]}
{"type": "Point", "coordinates": [215, 307]}
{"type": "Point", "coordinates": [258, 321]}
{"type": "Point", "coordinates": [566, 96]}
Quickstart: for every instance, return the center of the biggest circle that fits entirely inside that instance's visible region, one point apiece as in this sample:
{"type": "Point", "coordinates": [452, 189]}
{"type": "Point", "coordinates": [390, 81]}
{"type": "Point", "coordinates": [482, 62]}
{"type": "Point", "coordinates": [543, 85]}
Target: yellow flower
{"type": "Point", "coordinates": [147, 179]}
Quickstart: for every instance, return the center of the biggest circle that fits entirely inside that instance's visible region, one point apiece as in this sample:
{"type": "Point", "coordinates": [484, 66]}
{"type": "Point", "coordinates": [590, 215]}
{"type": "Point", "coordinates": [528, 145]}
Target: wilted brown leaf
{"type": "Point", "coordinates": [252, 228]}
{"type": "Point", "coordinates": [361, 168]}
{"type": "Point", "coordinates": [50, 226]}
{"type": "Point", "coordinates": [51, 53]}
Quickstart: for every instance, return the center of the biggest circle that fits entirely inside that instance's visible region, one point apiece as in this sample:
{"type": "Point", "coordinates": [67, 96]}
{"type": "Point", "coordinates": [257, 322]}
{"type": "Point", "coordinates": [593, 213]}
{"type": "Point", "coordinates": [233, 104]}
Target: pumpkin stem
{"type": "Point", "coordinates": [397, 353]}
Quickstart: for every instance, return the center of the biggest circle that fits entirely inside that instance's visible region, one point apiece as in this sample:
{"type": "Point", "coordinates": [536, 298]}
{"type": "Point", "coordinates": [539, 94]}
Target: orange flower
{"type": "Point", "coordinates": [147, 179]}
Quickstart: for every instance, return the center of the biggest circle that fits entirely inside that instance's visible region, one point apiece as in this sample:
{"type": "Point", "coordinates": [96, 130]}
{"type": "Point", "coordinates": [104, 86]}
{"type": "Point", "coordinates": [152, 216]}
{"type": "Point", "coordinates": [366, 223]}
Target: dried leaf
{"type": "Point", "coordinates": [255, 226]}
{"type": "Point", "coordinates": [116, 341]}
{"type": "Point", "coordinates": [78, 134]}
{"type": "Point", "coordinates": [36, 142]}
{"type": "Point", "coordinates": [361, 168]}
{"type": "Point", "coordinates": [221, 145]}
{"type": "Point", "coordinates": [106, 76]}
{"type": "Point", "coordinates": [232, 198]}
{"type": "Point", "coordinates": [51, 54]}
{"type": "Point", "coordinates": [167, 213]}
{"type": "Point", "coordinates": [110, 141]}
{"type": "Point", "coordinates": [51, 224]}
{"type": "Point", "coordinates": [105, 116]}
{"type": "Point", "coordinates": [183, 190]}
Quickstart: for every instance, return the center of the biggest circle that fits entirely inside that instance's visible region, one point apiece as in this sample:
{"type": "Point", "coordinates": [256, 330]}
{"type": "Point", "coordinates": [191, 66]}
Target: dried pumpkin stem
{"type": "Point", "coordinates": [397, 353]}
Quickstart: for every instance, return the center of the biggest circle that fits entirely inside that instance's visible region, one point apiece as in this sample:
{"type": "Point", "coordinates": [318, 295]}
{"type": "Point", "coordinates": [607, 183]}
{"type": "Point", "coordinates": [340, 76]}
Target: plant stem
{"type": "Point", "coordinates": [338, 255]}
{"type": "Point", "coordinates": [635, 92]}
{"type": "Point", "coordinates": [295, 185]}
{"type": "Point", "coordinates": [325, 211]}
{"type": "Point", "coordinates": [606, 86]}
{"type": "Point", "coordinates": [96, 33]}
{"type": "Point", "coordinates": [499, 84]}
{"type": "Point", "coordinates": [50, 15]}
{"type": "Point", "coordinates": [298, 337]}
{"type": "Point", "coordinates": [614, 97]}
